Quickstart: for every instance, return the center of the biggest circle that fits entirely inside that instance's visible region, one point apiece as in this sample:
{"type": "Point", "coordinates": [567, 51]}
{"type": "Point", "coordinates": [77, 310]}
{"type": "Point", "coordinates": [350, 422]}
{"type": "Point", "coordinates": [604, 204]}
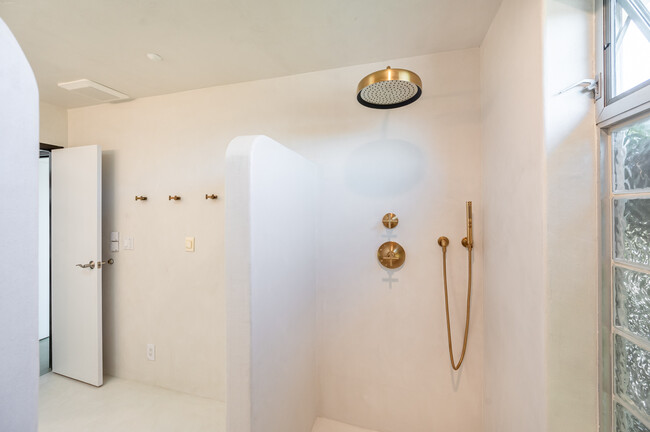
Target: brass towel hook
{"type": "Point", "coordinates": [174, 197]}
{"type": "Point", "coordinates": [140, 198]}
{"type": "Point", "coordinates": [213, 196]}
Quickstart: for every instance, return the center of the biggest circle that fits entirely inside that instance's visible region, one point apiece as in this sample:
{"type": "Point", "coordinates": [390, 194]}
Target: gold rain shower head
{"type": "Point", "coordinates": [389, 88]}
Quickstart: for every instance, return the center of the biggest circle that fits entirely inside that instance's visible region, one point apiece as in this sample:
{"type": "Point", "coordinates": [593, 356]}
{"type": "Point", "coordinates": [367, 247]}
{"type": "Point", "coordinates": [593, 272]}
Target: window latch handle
{"type": "Point", "coordinates": [587, 84]}
{"type": "Point", "coordinates": [592, 85]}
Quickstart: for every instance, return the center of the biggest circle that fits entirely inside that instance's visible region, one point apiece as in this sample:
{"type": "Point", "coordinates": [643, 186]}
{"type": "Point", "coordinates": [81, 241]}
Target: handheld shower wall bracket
{"type": "Point", "coordinates": [468, 241]}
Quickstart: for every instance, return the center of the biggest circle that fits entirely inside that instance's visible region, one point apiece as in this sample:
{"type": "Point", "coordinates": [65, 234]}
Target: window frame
{"type": "Point", "coordinates": [631, 103]}
{"type": "Point", "coordinates": [625, 108]}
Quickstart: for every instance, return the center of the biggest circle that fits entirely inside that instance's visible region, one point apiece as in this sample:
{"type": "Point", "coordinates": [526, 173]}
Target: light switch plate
{"type": "Point", "coordinates": [115, 236]}
{"type": "Point", "coordinates": [189, 244]}
{"type": "Point", "coordinates": [115, 246]}
{"type": "Point", "coordinates": [127, 243]}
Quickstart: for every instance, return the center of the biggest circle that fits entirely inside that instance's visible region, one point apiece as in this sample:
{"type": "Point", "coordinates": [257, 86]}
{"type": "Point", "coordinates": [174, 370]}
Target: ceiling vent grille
{"type": "Point", "coordinates": [93, 90]}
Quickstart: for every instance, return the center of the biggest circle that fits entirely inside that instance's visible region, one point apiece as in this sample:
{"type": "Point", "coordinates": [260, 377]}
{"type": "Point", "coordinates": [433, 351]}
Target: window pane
{"type": "Point", "coordinates": [631, 154]}
{"type": "Point", "coordinates": [630, 42]}
{"type": "Point", "coordinates": [626, 422]}
{"type": "Point", "coordinates": [632, 374]}
{"type": "Point", "coordinates": [632, 230]}
{"type": "Point", "coordinates": [632, 299]}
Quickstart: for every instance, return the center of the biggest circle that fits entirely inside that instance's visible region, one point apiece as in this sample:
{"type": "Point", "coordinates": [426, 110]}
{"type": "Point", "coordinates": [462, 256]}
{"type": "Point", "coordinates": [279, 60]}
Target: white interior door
{"type": "Point", "coordinates": [76, 241]}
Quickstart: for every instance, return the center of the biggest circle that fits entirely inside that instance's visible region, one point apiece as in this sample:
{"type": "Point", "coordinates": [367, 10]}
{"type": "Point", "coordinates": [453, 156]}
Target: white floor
{"type": "Point", "coordinates": [326, 425]}
{"type": "Point", "coordinates": [66, 405]}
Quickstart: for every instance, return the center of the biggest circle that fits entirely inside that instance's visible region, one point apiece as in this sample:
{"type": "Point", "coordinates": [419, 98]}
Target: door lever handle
{"type": "Point", "coordinates": [90, 265]}
{"type": "Point", "coordinates": [101, 263]}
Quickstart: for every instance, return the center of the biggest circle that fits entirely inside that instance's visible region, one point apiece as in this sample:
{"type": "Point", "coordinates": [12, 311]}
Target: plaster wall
{"type": "Point", "coordinates": [271, 290]}
{"type": "Point", "coordinates": [19, 228]}
{"type": "Point", "coordinates": [513, 162]}
{"type": "Point", "coordinates": [53, 124]}
{"type": "Point", "coordinates": [383, 360]}
{"type": "Point", "coordinates": [540, 187]}
{"type": "Point", "coordinates": [572, 226]}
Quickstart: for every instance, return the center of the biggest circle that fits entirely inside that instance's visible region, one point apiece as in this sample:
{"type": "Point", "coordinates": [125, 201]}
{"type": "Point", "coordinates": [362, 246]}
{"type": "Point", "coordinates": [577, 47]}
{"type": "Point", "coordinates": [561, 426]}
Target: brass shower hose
{"type": "Point", "coordinates": [444, 242]}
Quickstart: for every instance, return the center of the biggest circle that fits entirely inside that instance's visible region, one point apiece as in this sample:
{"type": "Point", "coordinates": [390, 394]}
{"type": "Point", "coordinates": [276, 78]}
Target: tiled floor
{"type": "Point", "coordinates": [66, 405]}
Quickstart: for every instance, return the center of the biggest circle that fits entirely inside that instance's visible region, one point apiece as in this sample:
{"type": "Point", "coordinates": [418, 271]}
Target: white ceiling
{"type": "Point", "coordinates": [212, 42]}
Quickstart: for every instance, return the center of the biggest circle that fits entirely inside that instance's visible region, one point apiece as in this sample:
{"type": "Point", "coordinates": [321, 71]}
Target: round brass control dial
{"type": "Point", "coordinates": [390, 220]}
{"type": "Point", "coordinates": [391, 255]}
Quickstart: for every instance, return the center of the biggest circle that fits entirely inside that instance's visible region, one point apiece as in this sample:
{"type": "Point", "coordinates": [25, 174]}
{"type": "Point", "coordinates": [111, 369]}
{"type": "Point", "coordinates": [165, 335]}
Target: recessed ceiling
{"type": "Point", "coordinates": [205, 43]}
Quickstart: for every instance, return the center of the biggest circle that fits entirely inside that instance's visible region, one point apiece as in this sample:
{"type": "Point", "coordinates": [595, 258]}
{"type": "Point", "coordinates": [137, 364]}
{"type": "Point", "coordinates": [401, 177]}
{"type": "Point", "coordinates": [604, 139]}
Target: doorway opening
{"type": "Point", "coordinates": [44, 259]}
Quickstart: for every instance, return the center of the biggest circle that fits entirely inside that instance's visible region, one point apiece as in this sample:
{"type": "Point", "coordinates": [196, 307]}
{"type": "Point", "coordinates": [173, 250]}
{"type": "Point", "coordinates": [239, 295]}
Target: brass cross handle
{"type": "Point", "coordinates": [390, 220]}
{"type": "Point", "coordinates": [174, 197]}
{"type": "Point", "coordinates": [213, 196]}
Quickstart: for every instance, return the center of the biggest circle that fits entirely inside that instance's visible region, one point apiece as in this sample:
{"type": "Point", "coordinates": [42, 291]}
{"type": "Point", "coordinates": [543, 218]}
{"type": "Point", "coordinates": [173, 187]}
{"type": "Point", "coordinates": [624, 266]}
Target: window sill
{"type": "Point", "coordinates": [623, 109]}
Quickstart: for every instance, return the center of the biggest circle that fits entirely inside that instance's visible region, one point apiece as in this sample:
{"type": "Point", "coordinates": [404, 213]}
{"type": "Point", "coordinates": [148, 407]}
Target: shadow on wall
{"type": "Point", "coordinates": [109, 304]}
{"type": "Point", "coordinates": [385, 167]}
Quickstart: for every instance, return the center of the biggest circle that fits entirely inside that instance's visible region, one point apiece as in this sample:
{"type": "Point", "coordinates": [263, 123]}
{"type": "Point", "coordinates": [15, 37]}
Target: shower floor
{"type": "Point", "coordinates": [326, 425]}
{"type": "Point", "coordinates": [66, 405]}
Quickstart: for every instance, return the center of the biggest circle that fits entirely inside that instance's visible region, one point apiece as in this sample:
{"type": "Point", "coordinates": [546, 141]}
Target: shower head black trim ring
{"type": "Point", "coordinates": [390, 106]}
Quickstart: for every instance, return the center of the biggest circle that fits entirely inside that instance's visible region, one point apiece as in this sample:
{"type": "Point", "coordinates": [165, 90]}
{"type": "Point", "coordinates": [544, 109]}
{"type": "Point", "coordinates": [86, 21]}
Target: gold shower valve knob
{"type": "Point", "coordinates": [391, 255]}
{"type": "Point", "coordinates": [390, 220]}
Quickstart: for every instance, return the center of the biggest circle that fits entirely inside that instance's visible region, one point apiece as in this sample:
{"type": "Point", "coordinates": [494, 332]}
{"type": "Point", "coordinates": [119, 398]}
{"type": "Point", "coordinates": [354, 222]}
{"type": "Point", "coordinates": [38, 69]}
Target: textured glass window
{"type": "Point", "coordinates": [626, 422]}
{"type": "Point", "coordinates": [629, 45]}
{"type": "Point", "coordinates": [631, 156]}
{"type": "Point", "coordinates": [632, 230]}
{"type": "Point", "coordinates": [624, 345]}
{"type": "Point", "coordinates": [632, 301]}
{"type": "Point", "coordinates": [632, 374]}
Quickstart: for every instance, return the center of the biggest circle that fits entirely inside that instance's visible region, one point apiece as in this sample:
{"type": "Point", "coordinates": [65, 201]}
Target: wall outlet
{"type": "Point", "coordinates": [151, 352]}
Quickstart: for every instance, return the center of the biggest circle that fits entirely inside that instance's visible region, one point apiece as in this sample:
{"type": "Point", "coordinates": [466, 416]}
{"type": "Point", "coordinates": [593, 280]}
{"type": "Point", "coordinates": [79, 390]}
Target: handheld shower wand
{"type": "Point", "coordinates": [467, 242]}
